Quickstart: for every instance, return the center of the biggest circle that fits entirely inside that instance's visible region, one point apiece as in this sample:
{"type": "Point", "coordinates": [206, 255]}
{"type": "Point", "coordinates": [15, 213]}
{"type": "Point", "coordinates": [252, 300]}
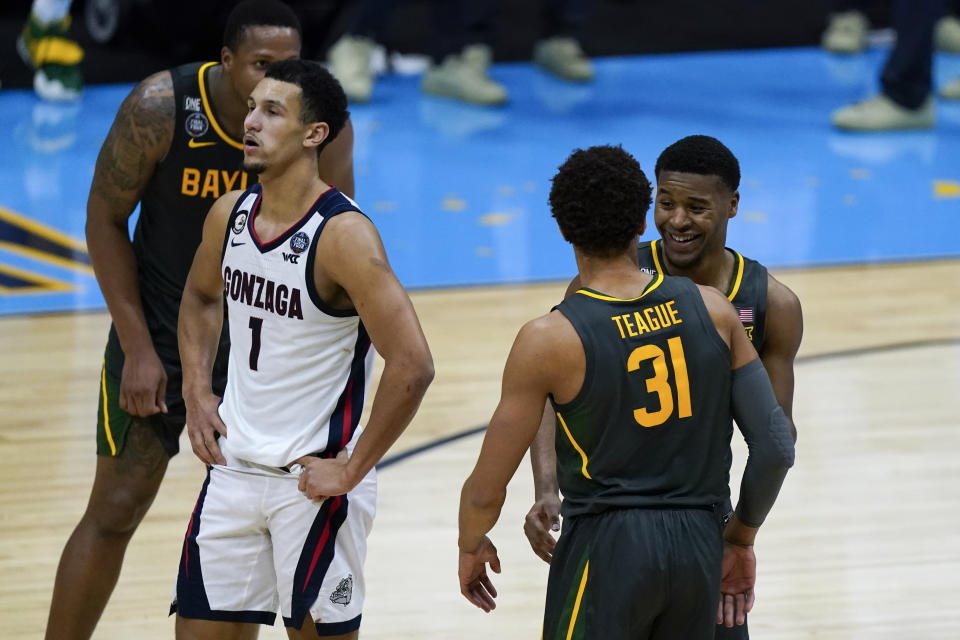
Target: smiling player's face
{"type": "Point", "coordinates": [691, 213]}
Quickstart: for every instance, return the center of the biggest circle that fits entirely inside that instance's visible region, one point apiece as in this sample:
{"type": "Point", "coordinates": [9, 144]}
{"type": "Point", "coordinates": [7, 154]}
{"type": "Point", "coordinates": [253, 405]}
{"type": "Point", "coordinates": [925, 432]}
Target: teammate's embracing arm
{"type": "Point", "coordinates": [352, 270]}
{"type": "Point", "coordinates": [767, 432]}
{"type": "Point", "coordinates": [139, 139]}
{"type": "Point", "coordinates": [198, 333]}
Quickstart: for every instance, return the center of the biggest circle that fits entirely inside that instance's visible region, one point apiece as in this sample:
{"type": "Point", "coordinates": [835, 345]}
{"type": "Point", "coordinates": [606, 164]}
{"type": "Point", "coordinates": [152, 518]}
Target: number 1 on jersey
{"type": "Point", "coordinates": [256, 324]}
{"type": "Point", "coordinates": [660, 382]}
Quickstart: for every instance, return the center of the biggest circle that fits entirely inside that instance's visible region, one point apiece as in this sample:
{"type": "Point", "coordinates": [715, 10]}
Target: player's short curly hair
{"type": "Point", "coordinates": [702, 155]}
{"type": "Point", "coordinates": [600, 198]}
{"type": "Point", "coordinates": [257, 13]}
{"type": "Point", "coordinates": [322, 98]}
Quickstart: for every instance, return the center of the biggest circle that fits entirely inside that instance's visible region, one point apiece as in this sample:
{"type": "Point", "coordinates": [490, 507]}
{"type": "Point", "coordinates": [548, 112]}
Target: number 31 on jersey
{"type": "Point", "coordinates": [660, 382]}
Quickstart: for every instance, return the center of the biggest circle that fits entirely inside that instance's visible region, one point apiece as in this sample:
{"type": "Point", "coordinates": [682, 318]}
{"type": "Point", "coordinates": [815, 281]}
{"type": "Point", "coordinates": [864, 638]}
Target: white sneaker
{"type": "Point", "coordinates": [946, 35]}
{"type": "Point", "coordinates": [846, 33]}
{"type": "Point", "coordinates": [880, 113]}
{"type": "Point", "coordinates": [563, 58]}
{"type": "Point", "coordinates": [951, 91]}
{"type": "Point", "coordinates": [350, 64]}
{"type": "Point", "coordinates": [464, 77]}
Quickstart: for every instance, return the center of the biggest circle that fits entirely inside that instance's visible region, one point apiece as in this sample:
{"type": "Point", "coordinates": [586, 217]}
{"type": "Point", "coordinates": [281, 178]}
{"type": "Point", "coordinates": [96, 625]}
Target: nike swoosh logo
{"type": "Point", "coordinates": [193, 144]}
{"type": "Point", "coordinates": [234, 243]}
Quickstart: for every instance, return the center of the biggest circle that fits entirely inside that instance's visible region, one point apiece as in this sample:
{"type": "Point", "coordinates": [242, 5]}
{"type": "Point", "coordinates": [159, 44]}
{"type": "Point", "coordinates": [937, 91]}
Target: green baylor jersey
{"type": "Point", "coordinates": [202, 164]}
{"type": "Point", "coordinates": [748, 288]}
{"type": "Point", "coordinates": [651, 425]}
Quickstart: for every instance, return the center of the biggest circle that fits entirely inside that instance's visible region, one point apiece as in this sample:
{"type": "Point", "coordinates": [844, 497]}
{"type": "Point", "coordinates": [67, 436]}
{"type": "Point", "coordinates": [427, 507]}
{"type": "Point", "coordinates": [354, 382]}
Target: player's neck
{"type": "Point", "coordinates": [288, 194]}
{"type": "Point", "coordinates": [227, 109]}
{"type": "Point", "coordinates": [714, 269]}
{"type": "Point", "coordinates": [617, 276]}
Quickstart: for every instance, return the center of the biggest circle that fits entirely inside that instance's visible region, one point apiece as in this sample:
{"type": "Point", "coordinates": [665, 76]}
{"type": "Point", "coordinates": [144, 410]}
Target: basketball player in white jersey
{"type": "Point", "coordinates": [283, 516]}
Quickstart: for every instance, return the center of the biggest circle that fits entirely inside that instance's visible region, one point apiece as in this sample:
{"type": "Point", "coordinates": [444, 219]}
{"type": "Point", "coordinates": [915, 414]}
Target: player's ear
{"type": "Point", "coordinates": [643, 227]}
{"type": "Point", "coordinates": [226, 58]}
{"type": "Point", "coordinates": [734, 202]}
{"type": "Point", "coordinates": [317, 132]}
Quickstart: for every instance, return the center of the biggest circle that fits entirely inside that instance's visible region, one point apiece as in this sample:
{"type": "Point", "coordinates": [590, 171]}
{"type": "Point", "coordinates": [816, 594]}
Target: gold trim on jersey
{"type": "Point", "coordinates": [106, 409]}
{"type": "Point", "coordinates": [583, 456]}
{"type": "Point", "coordinates": [653, 284]}
{"type": "Point", "coordinates": [656, 257]}
{"type": "Point", "coordinates": [736, 281]}
{"type": "Point", "coordinates": [576, 603]}
{"type": "Point", "coordinates": [209, 111]}
{"type": "Point", "coordinates": [739, 278]}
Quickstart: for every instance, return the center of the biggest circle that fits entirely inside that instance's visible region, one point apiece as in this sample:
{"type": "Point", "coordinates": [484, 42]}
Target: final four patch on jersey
{"type": "Point", "coordinates": [196, 125]}
{"type": "Point", "coordinates": [239, 222]}
{"type": "Point", "coordinates": [300, 242]}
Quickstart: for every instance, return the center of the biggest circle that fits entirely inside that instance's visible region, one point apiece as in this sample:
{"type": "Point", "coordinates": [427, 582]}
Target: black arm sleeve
{"type": "Point", "coordinates": [767, 431]}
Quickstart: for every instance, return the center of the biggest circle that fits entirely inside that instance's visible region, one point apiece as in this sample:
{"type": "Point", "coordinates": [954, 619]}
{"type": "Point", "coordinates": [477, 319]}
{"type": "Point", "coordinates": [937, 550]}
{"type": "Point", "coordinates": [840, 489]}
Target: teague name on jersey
{"type": "Point", "coordinates": [261, 293]}
{"type": "Point", "coordinates": [653, 319]}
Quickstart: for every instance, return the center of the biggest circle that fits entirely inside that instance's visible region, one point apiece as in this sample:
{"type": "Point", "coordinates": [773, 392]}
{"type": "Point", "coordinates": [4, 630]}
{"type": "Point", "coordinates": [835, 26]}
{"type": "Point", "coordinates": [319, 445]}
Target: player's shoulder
{"type": "Point", "coordinates": [548, 337]}
{"type": "Point", "coordinates": [781, 300]}
{"type": "Point", "coordinates": [719, 308]}
{"type": "Point", "coordinates": [224, 205]}
{"type": "Point", "coordinates": [154, 94]}
{"type": "Point", "coordinates": [711, 296]}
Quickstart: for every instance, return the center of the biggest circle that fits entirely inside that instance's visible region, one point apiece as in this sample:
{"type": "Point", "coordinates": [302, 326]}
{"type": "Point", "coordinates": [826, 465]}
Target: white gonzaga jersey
{"type": "Point", "coordinates": [298, 370]}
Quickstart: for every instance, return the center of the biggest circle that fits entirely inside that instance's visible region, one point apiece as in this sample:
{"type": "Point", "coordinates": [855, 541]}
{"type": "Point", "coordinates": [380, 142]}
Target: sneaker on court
{"type": "Point", "coordinates": [54, 56]}
{"type": "Point", "coordinates": [349, 59]}
{"type": "Point", "coordinates": [846, 33]}
{"type": "Point", "coordinates": [946, 35]}
{"type": "Point", "coordinates": [880, 113]}
{"type": "Point", "coordinates": [951, 91]}
{"type": "Point", "coordinates": [464, 77]}
{"type": "Point", "coordinates": [563, 57]}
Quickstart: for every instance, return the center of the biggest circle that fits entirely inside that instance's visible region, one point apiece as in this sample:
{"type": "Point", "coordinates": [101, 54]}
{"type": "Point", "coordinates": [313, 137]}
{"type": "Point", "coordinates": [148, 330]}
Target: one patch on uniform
{"type": "Point", "coordinates": [239, 222]}
{"type": "Point", "coordinates": [300, 242]}
{"type": "Point", "coordinates": [191, 103]}
{"type": "Point", "coordinates": [343, 594]}
{"type": "Point", "coordinates": [652, 272]}
{"type": "Point", "coordinates": [197, 125]}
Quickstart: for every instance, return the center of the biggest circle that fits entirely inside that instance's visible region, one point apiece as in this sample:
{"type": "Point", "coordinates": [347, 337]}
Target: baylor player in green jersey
{"type": "Point", "coordinates": [697, 181]}
{"type": "Point", "coordinates": [174, 148]}
{"type": "Point", "coordinates": [644, 373]}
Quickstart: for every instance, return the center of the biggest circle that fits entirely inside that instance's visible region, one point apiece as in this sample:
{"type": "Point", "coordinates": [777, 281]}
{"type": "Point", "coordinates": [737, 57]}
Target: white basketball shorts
{"type": "Point", "coordinates": [256, 544]}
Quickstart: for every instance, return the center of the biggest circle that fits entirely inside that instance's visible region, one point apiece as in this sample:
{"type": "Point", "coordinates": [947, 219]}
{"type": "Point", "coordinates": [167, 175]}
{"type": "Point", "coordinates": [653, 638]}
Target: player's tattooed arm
{"type": "Point", "coordinates": [139, 138]}
{"type": "Point", "coordinates": [784, 326]}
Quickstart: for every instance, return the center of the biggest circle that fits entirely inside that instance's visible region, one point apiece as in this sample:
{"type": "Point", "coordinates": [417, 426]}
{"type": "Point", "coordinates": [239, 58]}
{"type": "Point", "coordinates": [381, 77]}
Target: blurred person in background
{"type": "Point", "coordinates": [906, 100]}
{"type": "Point", "coordinates": [46, 46]}
{"type": "Point", "coordinates": [461, 51]}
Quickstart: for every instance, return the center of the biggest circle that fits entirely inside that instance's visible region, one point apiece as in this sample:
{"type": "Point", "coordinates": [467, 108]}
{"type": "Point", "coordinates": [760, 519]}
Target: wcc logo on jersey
{"type": "Point", "coordinates": [298, 244]}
